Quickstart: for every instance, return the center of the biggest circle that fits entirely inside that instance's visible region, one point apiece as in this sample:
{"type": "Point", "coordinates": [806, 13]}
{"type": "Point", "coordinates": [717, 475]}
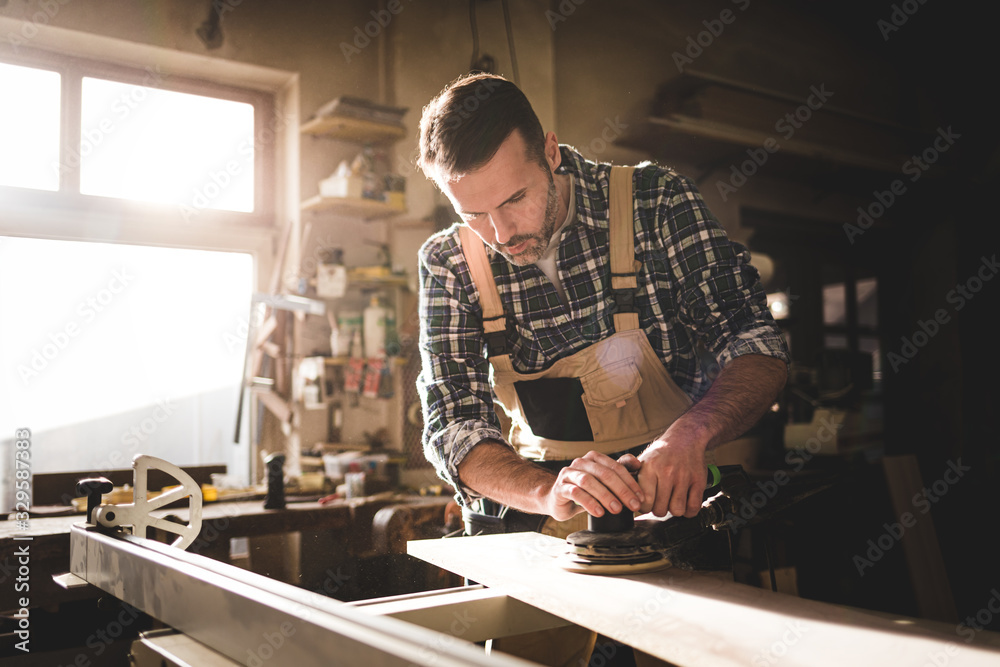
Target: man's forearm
{"type": "Point", "coordinates": [494, 470]}
{"type": "Point", "coordinates": [740, 395]}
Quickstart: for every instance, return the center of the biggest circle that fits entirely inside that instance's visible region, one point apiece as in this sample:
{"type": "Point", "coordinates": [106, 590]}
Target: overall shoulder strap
{"type": "Point", "coordinates": [623, 264]}
{"type": "Point", "coordinates": [494, 320]}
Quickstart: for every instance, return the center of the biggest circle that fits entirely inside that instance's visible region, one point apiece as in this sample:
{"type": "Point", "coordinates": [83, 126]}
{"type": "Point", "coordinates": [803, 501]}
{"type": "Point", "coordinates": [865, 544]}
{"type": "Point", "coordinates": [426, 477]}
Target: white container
{"type": "Point", "coordinates": [341, 186]}
{"type": "Point", "coordinates": [331, 280]}
{"type": "Point", "coordinates": [375, 320]}
{"type": "Point", "coordinates": [335, 466]}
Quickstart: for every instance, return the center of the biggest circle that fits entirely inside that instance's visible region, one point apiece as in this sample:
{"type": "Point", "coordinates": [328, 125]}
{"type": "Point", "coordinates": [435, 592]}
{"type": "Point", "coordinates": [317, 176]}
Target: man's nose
{"type": "Point", "coordinates": [503, 229]}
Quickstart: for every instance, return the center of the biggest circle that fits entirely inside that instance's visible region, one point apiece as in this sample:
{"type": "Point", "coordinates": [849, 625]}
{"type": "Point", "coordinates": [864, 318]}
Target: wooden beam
{"type": "Point", "coordinates": [278, 406]}
{"type": "Point", "coordinates": [928, 574]}
{"type": "Point", "coordinates": [689, 618]}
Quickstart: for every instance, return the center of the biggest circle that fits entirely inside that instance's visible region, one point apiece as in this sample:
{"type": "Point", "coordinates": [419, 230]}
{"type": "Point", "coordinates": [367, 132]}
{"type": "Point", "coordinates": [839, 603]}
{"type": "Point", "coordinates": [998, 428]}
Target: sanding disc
{"type": "Point", "coordinates": [574, 563]}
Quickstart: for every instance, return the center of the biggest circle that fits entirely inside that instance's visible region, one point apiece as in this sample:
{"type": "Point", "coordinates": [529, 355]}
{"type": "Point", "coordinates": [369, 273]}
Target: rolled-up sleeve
{"type": "Point", "coordinates": [719, 292]}
{"type": "Point", "coordinates": [453, 384]}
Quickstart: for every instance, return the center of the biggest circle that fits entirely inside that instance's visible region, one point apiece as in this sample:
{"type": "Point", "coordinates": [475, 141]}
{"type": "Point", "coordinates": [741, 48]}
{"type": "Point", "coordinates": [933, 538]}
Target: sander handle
{"type": "Point", "coordinates": [623, 521]}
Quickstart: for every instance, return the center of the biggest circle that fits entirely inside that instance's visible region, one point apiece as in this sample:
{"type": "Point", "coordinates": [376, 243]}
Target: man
{"type": "Point", "coordinates": [603, 370]}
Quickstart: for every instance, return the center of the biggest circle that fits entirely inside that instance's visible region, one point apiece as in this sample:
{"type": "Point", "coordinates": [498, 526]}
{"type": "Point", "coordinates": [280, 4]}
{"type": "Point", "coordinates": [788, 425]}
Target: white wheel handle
{"type": "Point", "coordinates": [136, 513]}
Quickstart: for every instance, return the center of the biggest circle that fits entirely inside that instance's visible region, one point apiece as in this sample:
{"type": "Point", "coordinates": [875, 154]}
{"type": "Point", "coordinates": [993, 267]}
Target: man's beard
{"type": "Point", "coordinates": [538, 242]}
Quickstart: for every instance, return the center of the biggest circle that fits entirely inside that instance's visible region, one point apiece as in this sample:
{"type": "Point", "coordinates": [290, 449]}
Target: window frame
{"type": "Point", "coordinates": [72, 71]}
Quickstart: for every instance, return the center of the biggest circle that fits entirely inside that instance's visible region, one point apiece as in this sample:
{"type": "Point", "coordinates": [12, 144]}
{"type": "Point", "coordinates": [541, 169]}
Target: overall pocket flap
{"type": "Point", "coordinates": [612, 385]}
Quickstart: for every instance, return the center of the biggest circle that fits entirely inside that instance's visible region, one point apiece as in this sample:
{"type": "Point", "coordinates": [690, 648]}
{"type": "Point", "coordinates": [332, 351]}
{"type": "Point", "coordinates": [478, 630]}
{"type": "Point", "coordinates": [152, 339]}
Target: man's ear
{"type": "Point", "coordinates": [552, 153]}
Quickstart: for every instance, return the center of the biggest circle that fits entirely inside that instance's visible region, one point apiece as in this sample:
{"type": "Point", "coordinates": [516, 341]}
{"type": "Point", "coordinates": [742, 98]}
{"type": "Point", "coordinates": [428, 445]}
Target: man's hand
{"type": "Point", "coordinates": [673, 475]}
{"type": "Point", "coordinates": [596, 483]}
{"type": "Point", "coordinates": [593, 483]}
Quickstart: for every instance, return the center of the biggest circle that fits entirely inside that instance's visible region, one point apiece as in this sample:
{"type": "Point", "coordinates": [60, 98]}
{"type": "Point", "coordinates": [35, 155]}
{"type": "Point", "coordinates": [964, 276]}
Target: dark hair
{"type": "Point", "coordinates": [464, 125]}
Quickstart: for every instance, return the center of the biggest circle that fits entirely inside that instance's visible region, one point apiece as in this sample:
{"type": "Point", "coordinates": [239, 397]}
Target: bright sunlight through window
{"type": "Point", "coordinates": [29, 127]}
{"type": "Point", "coordinates": [115, 350]}
{"type": "Point", "coordinates": [143, 142]}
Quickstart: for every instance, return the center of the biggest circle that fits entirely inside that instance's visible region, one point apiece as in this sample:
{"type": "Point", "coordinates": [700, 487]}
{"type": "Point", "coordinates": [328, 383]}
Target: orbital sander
{"type": "Point", "coordinates": [617, 544]}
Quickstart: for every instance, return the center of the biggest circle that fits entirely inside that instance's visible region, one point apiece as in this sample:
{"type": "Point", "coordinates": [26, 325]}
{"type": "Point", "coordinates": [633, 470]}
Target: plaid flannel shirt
{"type": "Point", "coordinates": [699, 301]}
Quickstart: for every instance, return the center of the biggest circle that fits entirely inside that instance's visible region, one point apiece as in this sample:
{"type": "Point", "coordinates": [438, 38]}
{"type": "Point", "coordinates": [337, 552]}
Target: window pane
{"type": "Point", "coordinates": [870, 345]}
{"type": "Point", "coordinates": [868, 302]}
{"type": "Point", "coordinates": [29, 127]}
{"type": "Point", "coordinates": [834, 305]}
{"type": "Point", "coordinates": [835, 341]}
{"type": "Point", "coordinates": [141, 142]}
{"type": "Point", "coordinates": [123, 350]}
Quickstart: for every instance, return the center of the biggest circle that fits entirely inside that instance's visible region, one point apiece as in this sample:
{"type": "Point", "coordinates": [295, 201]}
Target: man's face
{"type": "Point", "coordinates": [510, 202]}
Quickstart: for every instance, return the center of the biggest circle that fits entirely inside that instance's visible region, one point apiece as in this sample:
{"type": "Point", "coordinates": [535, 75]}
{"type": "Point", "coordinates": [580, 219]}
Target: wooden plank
{"type": "Point", "coordinates": [353, 129]}
{"type": "Point", "coordinates": [928, 574]}
{"type": "Point", "coordinates": [690, 618]}
{"type": "Point", "coordinates": [740, 136]}
{"type": "Point", "coordinates": [366, 209]}
{"type": "Point", "coordinates": [277, 405]}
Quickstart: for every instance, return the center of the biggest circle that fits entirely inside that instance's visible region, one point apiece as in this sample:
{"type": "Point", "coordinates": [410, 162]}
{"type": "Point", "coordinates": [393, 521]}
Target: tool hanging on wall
{"type": "Point", "coordinates": [486, 63]}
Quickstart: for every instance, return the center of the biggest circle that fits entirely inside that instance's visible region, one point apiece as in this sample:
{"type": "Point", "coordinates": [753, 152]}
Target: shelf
{"type": "Point", "coordinates": [366, 209]}
{"type": "Point", "coordinates": [355, 130]}
{"type": "Point", "coordinates": [736, 129]}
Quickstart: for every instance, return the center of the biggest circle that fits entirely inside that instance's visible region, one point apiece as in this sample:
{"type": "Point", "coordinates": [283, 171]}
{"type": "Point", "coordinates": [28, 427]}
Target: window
{"type": "Point", "coordinates": [118, 336]}
{"type": "Point", "coordinates": [142, 142]}
{"type": "Point", "coordinates": [29, 127]}
{"type": "Point", "coordinates": [101, 137]}
{"type": "Point", "coordinates": [850, 314]}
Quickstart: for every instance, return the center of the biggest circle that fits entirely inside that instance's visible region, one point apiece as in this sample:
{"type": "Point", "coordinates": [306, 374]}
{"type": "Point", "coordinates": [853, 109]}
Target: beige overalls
{"type": "Point", "coordinates": [629, 397]}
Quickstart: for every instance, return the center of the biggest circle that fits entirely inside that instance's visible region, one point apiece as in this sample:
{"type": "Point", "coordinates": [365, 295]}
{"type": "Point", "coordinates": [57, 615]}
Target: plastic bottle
{"type": "Point", "coordinates": [375, 317]}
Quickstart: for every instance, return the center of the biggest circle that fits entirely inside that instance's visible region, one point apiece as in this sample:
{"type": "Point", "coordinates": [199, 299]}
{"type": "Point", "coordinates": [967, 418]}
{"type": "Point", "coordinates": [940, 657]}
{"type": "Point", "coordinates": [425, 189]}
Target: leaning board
{"type": "Point", "coordinates": [694, 619]}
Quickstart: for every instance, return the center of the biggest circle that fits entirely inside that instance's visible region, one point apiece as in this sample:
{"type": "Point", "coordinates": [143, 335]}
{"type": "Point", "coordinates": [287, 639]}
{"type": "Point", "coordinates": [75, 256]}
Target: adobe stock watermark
{"type": "Point", "coordinates": [88, 309]}
{"type": "Point", "coordinates": [481, 92]}
{"type": "Point", "coordinates": [714, 28]}
{"type": "Point", "coordinates": [612, 130]}
{"type": "Point", "coordinates": [221, 179]}
{"type": "Point", "coordinates": [565, 10]}
{"type": "Point", "coordinates": [308, 264]}
{"type": "Point", "coordinates": [237, 339]}
{"type": "Point", "coordinates": [921, 501]}
{"type": "Point", "coordinates": [137, 434]}
{"type": "Point", "coordinates": [101, 640]}
{"type": "Point", "coordinates": [652, 616]}
{"type": "Point", "coordinates": [915, 167]}
{"type": "Point", "coordinates": [786, 127]}
{"type": "Point", "coordinates": [213, 529]}
{"type": "Point", "coordinates": [47, 10]}
{"type": "Point", "coordinates": [958, 297]}
{"type": "Point", "coordinates": [796, 459]}
{"type": "Point", "coordinates": [123, 106]}
{"type": "Point", "coordinates": [364, 36]}
{"type": "Point", "coordinates": [460, 623]}
{"type": "Point", "coordinates": [982, 618]}
{"type": "Point", "coordinates": [780, 647]}
{"type": "Point", "coordinates": [898, 17]}
{"type": "Point", "coordinates": [271, 643]}
{"type": "Point", "coordinates": [651, 610]}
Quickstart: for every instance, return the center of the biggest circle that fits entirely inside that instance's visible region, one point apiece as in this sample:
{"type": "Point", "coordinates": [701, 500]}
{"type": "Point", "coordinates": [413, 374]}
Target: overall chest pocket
{"type": "Point", "coordinates": [611, 398]}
